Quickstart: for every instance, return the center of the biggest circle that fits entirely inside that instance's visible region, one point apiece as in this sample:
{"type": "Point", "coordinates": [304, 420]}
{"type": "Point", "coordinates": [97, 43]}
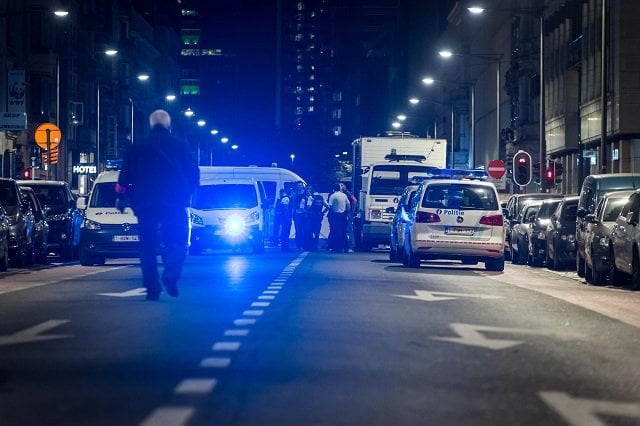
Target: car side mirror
{"type": "Point", "coordinates": [81, 203]}
{"type": "Point", "coordinates": [505, 212]}
{"type": "Point", "coordinates": [591, 218]}
{"type": "Point", "coordinates": [632, 218]}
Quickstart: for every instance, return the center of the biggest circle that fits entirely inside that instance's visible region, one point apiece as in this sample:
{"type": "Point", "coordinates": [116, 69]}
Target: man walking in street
{"type": "Point", "coordinates": [338, 210]}
{"type": "Point", "coordinates": [161, 175]}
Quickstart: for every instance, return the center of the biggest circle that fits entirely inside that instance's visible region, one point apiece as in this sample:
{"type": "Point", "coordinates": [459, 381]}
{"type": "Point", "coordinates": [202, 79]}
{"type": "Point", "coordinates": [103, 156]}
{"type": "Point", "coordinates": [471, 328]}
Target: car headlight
{"type": "Point", "coordinates": [569, 238]}
{"type": "Point", "coordinates": [542, 235]}
{"type": "Point", "coordinates": [234, 225]}
{"type": "Point", "coordinates": [90, 224]}
{"type": "Point", "coordinates": [196, 220]}
{"type": "Point", "coordinates": [253, 217]}
{"type": "Point", "coordinates": [604, 242]}
{"type": "Point", "coordinates": [57, 217]}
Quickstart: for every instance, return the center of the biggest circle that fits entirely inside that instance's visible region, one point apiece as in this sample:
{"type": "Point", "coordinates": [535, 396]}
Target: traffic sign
{"type": "Point", "coordinates": [496, 169]}
{"type": "Point", "coordinates": [48, 135]}
{"type": "Point", "coordinates": [13, 121]}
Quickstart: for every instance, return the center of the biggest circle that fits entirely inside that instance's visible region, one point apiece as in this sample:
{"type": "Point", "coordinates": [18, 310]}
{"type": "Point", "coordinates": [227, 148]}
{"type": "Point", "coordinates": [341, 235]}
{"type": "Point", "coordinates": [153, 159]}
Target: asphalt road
{"type": "Point", "coordinates": [317, 339]}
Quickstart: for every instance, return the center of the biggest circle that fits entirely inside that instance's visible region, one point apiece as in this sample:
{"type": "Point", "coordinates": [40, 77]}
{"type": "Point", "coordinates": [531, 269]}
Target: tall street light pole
{"type": "Point", "coordinates": [472, 90]}
{"type": "Point", "coordinates": [497, 58]}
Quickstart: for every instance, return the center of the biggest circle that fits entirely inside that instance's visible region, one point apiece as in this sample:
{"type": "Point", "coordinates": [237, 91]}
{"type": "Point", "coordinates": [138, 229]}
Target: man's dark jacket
{"type": "Point", "coordinates": [159, 171]}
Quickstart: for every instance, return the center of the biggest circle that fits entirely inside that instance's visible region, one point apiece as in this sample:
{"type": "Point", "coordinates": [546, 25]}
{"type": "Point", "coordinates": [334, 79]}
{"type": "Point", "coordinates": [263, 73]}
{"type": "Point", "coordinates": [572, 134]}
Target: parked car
{"type": "Point", "coordinates": [513, 208]}
{"type": "Point", "coordinates": [400, 218]}
{"type": "Point", "coordinates": [625, 244]}
{"type": "Point", "coordinates": [40, 225]}
{"type": "Point", "coordinates": [561, 233]}
{"type": "Point", "coordinates": [62, 215]}
{"type": "Point", "coordinates": [593, 189]}
{"type": "Point", "coordinates": [537, 232]}
{"type": "Point", "coordinates": [4, 239]}
{"type": "Point", "coordinates": [20, 223]}
{"type": "Point", "coordinates": [597, 235]}
{"type": "Point", "coordinates": [519, 246]}
{"type": "Point", "coordinates": [455, 219]}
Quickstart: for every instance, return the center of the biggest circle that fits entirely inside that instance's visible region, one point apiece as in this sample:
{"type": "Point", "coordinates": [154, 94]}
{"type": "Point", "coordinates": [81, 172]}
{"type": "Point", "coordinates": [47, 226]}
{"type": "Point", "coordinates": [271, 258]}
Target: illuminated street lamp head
{"type": "Point", "coordinates": [201, 123]}
{"type": "Point", "coordinates": [445, 54]}
{"type": "Point", "coordinates": [292, 156]}
{"type": "Point", "coordinates": [189, 112]}
{"type": "Point", "coordinates": [111, 52]}
{"type": "Point", "coordinates": [476, 10]}
{"type": "Point", "coordinates": [234, 146]}
{"type": "Point", "coordinates": [170, 98]}
{"type": "Point", "coordinates": [401, 117]}
{"type": "Point", "coordinates": [61, 13]}
{"type": "Point", "coordinates": [224, 139]}
{"type": "Point", "coordinates": [214, 131]}
{"type": "Point", "coordinates": [396, 124]}
{"type": "Point", "coordinates": [143, 76]}
{"type": "Point", "coordinates": [414, 101]}
{"type": "Point", "coordinates": [428, 80]}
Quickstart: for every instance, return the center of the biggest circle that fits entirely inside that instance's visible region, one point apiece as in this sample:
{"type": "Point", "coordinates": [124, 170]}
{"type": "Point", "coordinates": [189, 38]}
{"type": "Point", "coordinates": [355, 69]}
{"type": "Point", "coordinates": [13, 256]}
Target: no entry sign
{"type": "Point", "coordinates": [496, 169]}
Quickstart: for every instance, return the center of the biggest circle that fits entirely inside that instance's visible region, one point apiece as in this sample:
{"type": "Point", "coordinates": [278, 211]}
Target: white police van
{"type": "Point", "coordinates": [106, 232]}
{"type": "Point", "coordinates": [226, 213]}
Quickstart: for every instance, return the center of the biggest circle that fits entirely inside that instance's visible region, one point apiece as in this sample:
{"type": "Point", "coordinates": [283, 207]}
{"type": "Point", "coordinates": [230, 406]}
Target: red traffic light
{"type": "Point", "coordinates": [522, 160]}
{"type": "Point", "coordinates": [549, 174]}
{"type": "Point", "coordinates": [26, 174]}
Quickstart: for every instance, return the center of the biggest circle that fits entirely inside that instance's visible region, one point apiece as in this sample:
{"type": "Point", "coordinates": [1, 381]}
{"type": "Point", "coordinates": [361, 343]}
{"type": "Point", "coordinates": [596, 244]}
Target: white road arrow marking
{"type": "Point", "coordinates": [129, 293]}
{"type": "Point", "coordinates": [437, 296]}
{"type": "Point", "coordinates": [583, 412]}
{"type": "Point", "coordinates": [469, 334]}
{"type": "Point", "coordinates": [32, 334]}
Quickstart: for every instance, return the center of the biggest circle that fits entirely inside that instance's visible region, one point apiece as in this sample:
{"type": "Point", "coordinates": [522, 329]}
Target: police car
{"type": "Point", "coordinates": [455, 219]}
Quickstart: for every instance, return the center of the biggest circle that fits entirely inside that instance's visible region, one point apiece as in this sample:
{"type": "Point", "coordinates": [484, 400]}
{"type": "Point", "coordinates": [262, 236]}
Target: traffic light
{"type": "Point", "coordinates": [559, 169]}
{"type": "Point", "coordinates": [54, 156]}
{"type": "Point", "coordinates": [549, 176]}
{"type": "Point", "coordinates": [26, 174]}
{"type": "Point", "coordinates": [522, 168]}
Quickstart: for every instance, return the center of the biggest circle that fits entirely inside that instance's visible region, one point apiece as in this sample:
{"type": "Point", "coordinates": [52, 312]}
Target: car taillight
{"type": "Point", "coordinates": [495, 220]}
{"type": "Point", "coordinates": [426, 217]}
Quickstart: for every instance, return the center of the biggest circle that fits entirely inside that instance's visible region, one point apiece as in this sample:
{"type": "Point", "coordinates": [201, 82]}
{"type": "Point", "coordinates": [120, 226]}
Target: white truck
{"type": "Point", "coordinates": [382, 167]}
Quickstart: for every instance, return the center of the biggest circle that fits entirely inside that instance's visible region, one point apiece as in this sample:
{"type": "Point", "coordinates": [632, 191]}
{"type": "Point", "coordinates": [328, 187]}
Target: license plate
{"type": "Point", "coordinates": [458, 230]}
{"type": "Point", "coordinates": [125, 238]}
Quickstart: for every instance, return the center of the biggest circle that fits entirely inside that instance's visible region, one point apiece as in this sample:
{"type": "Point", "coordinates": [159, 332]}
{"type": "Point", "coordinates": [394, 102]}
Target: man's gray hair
{"type": "Point", "coordinates": [160, 117]}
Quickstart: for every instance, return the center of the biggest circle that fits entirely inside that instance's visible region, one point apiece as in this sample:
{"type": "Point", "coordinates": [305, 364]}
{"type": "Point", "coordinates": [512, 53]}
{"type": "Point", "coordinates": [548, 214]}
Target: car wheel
{"type": "Point", "coordinates": [635, 271]}
{"type": "Point", "coordinates": [413, 261]}
{"type": "Point", "coordinates": [615, 276]}
{"type": "Point", "coordinates": [494, 264]}
{"type": "Point", "coordinates": [513, 254]}
{"type": "Point", "coordinates": [521, 255]}
{"type": "Point", "coordinates": [30, 256]}
{"type": "Point", "coordinates": [4, 261]}
{"type": "Point", "coordinates": [85, 259]}
{"type": "Point", "coordinates": [580, 265]}
{"type": "Point", "coordinates": [393, 253]}
{"type": "Point", "coordinates": [596, 277]}
{"type": "Point", "coordinates": [66, 252]}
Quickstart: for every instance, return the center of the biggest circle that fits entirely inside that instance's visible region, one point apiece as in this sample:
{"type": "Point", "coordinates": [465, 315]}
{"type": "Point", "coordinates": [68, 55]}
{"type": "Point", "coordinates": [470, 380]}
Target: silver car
{"type": "Point", "coordinates": [400, 219]}
{"type": "Point", "coordinates": [597, 235]}
{"type": "Point", "coordinates": [624, 249]}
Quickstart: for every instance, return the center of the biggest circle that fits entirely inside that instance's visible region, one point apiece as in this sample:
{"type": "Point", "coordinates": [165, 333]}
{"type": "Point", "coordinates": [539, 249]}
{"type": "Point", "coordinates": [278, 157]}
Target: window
{"type": "Point", "coordinates": [235, 196]}
{"type": "Point", "coordinates": [467, 197]}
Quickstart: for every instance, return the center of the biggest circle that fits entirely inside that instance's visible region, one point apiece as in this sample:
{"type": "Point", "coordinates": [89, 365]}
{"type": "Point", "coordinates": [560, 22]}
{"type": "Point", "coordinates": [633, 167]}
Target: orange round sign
{"type": "Point", "coordinates": [48, 136]}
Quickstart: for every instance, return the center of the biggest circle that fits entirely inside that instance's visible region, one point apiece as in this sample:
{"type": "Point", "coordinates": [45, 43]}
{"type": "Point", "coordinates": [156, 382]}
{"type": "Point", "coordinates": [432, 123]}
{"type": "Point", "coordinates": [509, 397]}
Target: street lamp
{"type": "Point", "coordinates": [472, 89]}
{"type": "Point", "coordinates": [497, 58]}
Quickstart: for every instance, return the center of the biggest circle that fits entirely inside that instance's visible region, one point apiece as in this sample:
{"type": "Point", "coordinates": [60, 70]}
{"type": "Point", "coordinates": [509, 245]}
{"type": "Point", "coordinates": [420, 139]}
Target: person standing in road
{"type": "Point", "coordinates": [299, 209]}
{"type": "Point", "coordinates": [315, 213]}
{"type": "Point", "coordinates": [353, 210]}
{"type": "Point", "coordinates": [285, 221]}
{"type": "Point", "coordinates": [277, 219]}
{"type": "Point", "coordinates": [161, 175]}
{"type": "Point", "coordinates": [338, 210]}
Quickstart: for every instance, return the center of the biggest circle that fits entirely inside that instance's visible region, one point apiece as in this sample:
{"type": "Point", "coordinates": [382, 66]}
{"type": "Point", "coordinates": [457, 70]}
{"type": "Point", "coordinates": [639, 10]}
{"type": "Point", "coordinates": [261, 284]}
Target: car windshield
{"type": "Point", "coordinates": [8, 196]}
{"type": "Point", "coordinates": [570, 212]}
{"type": "Point", "coordinates": [613, 208]}
{"type": "Point", "coordinates": [52, 196]}
{"type": "Point", "coordinates": [459, 196]}
{"type": "Point", "coordinates": [530, 212]}
{"type": "Point", "coordinates": [547, 209]}
{"type": "Point", "coordinates": [234, 196]}
{"type": "Point", "coordinates": [392, 179]}
{"type": "Point", "coordinates": [103, 195]}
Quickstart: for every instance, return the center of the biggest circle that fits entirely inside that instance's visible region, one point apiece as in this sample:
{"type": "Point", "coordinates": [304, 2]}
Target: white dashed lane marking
{"type": "Point", "coordinates": [173, 415]}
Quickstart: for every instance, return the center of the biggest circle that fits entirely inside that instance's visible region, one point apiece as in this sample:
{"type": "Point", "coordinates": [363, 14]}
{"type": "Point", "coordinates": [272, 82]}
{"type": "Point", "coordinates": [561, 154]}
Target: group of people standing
{"type": "Point", "coordinates": [306, 208]}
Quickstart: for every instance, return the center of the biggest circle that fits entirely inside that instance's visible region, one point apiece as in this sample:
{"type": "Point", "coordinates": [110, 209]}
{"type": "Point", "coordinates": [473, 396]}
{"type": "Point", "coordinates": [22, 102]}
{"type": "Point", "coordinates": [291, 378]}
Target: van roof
{"type": "Point", "coordinates": [254, 171]}
{"type": "Point", "coordinates": [108, 176]}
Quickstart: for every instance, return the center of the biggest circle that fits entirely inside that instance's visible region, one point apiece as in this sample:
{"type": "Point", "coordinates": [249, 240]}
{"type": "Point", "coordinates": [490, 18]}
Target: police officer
{"type": "Point", "coordinates": [315, 213]}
